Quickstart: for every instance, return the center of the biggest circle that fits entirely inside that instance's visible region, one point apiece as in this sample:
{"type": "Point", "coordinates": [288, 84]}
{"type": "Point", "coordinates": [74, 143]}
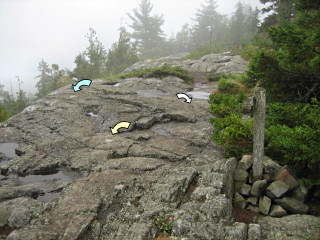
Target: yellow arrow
{"type": "Point", "coordinates": [114, 130]}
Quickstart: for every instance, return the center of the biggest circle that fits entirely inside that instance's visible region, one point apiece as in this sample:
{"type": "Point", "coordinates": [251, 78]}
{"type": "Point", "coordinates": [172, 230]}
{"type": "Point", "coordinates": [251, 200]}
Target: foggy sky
{"type": "Point", "coordinates": [54, 30]}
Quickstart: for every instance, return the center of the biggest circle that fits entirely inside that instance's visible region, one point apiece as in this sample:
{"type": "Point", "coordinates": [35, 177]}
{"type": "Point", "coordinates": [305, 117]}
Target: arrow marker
{"type": "Point", "coordinates": [114, 130]}
{"type": "Point", "coordinates": [83, 82]}
{"type": "Point", "coordinates": [185, 96]}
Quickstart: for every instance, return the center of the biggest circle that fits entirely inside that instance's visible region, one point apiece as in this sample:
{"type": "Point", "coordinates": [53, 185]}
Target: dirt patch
{"type": "Point", "coordinates": [245, 215]}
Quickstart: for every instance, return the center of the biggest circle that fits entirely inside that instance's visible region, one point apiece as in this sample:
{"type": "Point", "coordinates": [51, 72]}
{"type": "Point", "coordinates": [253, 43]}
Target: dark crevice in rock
{"type": "Point", "coordinates": [192, 186]}
{"type": "Point", "coordinates": [5, 231]}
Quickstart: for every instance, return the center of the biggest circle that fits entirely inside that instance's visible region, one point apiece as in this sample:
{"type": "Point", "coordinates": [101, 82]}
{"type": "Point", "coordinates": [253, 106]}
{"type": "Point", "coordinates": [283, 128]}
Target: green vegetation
{"type": "Point", "coordinates": [158, 72]}
{"type": "Point", "coordinates": [285, 59]}
{"type": "Point", "coordinates": [164, 224]}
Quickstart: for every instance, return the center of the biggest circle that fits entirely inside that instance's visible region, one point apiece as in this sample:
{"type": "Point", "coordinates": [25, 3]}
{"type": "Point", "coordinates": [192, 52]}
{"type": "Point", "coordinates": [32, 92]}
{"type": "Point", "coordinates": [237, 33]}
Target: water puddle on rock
{"type": "Point", "coordinates": [50, 185]}
{"type": "Point", "coordinates": [202, 90]}
{"type": "Point", "coordinates": [7, 152]}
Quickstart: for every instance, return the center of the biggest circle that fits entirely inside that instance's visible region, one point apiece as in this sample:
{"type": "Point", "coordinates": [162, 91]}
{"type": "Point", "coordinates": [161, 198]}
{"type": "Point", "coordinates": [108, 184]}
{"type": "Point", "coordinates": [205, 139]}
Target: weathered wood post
{"type": "Point", "coordinates": [259, 106]}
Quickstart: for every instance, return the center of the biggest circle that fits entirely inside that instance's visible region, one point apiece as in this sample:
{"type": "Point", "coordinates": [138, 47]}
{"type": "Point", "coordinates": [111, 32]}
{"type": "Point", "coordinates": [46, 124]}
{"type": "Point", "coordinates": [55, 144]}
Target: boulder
{"type": "Point", "coordinates": [245, 162]}
{"type": "Point", "coordinates": [252, 200]}
{"type": "Point", "coordinates": [277, 189]}
{"type": "Point", "coordinates": [277, 211]}
{"type": "Point", "coordinates": [300, 193]}
{"type": "Point", "coordinates": [253, 208]}
{"type": "Point", "coordinates": [245, 190]}
{"type": "Point", "coordinates": [239, 201]}
{"type": "Point", "coordinates": [286, 175]}
{"type": "Point", "coordinates": [238, 186]}
{"type": "Point", "coordinates": [264, 205]}
{"type": "Point", "coordinates": [258, 187]}
{"type": "Point", "coordinates": [270, 166]}
{"type": "Point", "coordinates": [240, 175]}
{"type": "Point", "coordinates": [292, 205]}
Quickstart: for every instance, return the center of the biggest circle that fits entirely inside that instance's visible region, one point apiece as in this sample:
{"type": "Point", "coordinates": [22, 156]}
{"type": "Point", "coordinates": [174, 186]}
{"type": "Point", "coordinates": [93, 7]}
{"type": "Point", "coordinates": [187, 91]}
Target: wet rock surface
{"type": "Point", "coordinates": [113, 186]}
{"type": "Point", "coordinates": [71, 178]}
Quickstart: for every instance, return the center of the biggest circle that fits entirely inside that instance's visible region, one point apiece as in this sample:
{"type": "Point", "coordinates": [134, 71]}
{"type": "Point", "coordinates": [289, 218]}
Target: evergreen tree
{"type": "Point", "coordinates": [282, 11]}
{"type": "Point", "coordinates": [146, 28]}
{"type": "Point", "coordinates": [96, 55]}
{"type": "Point", "coordinates": [183, 39]}
{"type": "Point", "coordinates": [90, 63]}
{"type": "Point", "coordinates": [45, 79]}
{"type": "Point", "coordinates": [81, 71]}
{"type": "Point", "coordinates": [209, 25]}
{"type": "Point", "coordinates": [121, 55]}
{"type": "Point", "coordinates": [291, 72]}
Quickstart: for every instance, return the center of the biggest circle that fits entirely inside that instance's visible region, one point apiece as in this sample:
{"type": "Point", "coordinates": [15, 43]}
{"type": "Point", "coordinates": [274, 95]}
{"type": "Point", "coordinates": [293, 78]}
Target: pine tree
{"type": "Point", "coordinates": [45, 79]}
{"type": "Point", "coordinates": [208, 25]}
{"type": "Point", "coordinates": [146, 28]}
{"type": "Point", "coordinates": [90, 63]}
{"type": "Point", "coordinates": [282, 11]}
{"type": "Point", "coordinates": [121, 55]}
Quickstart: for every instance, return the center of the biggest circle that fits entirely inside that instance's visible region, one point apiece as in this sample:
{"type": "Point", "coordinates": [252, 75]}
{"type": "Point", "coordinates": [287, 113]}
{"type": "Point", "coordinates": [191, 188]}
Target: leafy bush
{"type": "Point", "coordinates": [159, 72]}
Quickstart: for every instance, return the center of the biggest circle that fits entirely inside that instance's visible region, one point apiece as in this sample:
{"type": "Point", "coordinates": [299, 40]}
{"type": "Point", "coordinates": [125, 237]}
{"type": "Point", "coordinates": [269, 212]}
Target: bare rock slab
{"type": "Point", "coordinates": [254, 232]}
{"type": "Point", "coordinates": [292, 227]}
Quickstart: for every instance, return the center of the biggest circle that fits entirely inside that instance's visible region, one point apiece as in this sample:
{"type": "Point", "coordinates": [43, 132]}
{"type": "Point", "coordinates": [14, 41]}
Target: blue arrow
{"type": "Point", "coordinates": [83, 82]}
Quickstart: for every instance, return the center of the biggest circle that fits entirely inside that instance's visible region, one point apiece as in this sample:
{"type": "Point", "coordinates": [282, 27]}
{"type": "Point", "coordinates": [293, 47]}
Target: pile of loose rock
{"type": "Point", "coordinates": [279, 193]}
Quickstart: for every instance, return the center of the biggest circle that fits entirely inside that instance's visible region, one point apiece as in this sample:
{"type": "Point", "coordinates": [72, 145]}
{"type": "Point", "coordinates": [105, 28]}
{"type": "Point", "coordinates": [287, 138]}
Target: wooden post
{"type": "Point", "coordinates": [259, 101]}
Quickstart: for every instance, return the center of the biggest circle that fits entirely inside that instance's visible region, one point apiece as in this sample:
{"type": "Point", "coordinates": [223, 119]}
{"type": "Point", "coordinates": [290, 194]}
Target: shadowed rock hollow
{"type": "Point", "coordinates": [106, 186]}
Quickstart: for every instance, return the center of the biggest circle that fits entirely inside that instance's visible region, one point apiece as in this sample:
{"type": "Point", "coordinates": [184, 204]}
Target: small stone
{"type": "Point", "coordinates": [240, 175]}
{"type": "Point", "coordinates": [258, 187]}
{"type": "Point", "coordinates": [277, 211]}
{"type": "Point", "coordinates": [239, 201]}
{"type": "Point", "coordinates": [254, 232]}
{"type": "Point", "coordinates": [253, 208]}
{"type": "Point", "coordinates": [238, 186]}
{"type": "Point", "coordinates": [252, 200]}
{"type": "Point", "coordinates": [277, 189]}
{"type": "Point", "coordinates": [264, 205]}
{"type": "Point", "coordinates": [293, 205]}
{"type": "Point", "coordinates": [246, 162]}
{"type": "Point", "coordinates": [285, 174]}
{"type": "Point", "coordinates": [245, 190]}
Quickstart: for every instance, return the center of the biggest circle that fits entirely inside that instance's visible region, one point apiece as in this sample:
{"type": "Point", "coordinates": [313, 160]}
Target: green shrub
{"type": "Point", "coordinates": [234, 134]}
{"type": "Point", "coordinates": [223, 105]}
{"type": "Point", "coordinates": [231, 83]}
{"type": "Point", "coordinates": [230, 131]}
{"type": "Point", "coordinates": [292, 138]}
{"type": "Point", "coordinates": [158, 72]}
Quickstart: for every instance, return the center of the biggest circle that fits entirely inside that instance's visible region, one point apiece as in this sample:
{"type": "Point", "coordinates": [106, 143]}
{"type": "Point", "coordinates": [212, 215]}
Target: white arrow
{"type": "Point", "coordinates": [185, 96]}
